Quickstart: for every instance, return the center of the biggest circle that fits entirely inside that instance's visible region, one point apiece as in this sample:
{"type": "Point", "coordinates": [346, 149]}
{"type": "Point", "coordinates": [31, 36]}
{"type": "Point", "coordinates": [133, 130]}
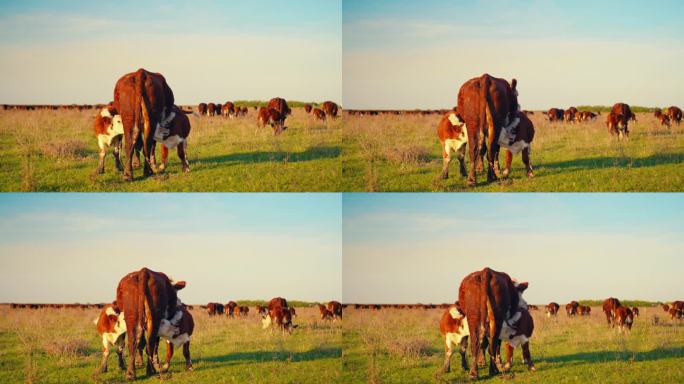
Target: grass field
{"type": "Point", "coordinates": [405, 346]}
{"type": "Point", "coordinates": [62, 346]}
{"type": "Point", "coordinates": [403, 153]}
{"type": "Point", "coordinates": [57, 151]}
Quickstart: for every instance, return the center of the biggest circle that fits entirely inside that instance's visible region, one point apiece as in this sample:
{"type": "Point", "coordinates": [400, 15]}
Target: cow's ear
{"type": "Point", "coordinates": [179, 285]}
{"type": "Point", "coordinates": [522, 286]}
{"type": "Point", "coordinates": [514, 83]}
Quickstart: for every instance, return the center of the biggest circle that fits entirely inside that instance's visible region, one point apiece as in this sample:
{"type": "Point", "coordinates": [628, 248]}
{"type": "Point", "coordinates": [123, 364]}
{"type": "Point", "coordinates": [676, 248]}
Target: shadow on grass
{"type": "Point", "coordinates": [616, 161]}
{"type": "Point", "coordinates": [605, 356]}
{"type": "Point", "coordinates": [266, 356]}
{"type": "Point", "coordinates": [313, 153]}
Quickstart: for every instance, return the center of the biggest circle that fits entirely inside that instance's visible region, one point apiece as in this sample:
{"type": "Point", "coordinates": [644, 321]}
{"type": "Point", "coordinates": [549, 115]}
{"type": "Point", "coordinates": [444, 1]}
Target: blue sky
{"type": "Point", "coordinates": [64, 52]}
{"type": "Point", "coordinates": [418, 247]}
{"type": "Point", "coordinates": [407, 54]}
{"type": "Point", "coordinates": [76, 247]}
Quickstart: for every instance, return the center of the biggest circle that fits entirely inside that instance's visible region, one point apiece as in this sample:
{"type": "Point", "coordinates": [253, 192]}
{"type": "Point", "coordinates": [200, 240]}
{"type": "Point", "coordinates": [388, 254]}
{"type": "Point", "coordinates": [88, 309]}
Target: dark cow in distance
{"type": "Point", "coordinates": [319, 114]}
{"type": "Point", "coordinates": [635, 311]}
{"type": "Point", "coordinates": [279, 314]}
{"type": "Point", "coordinates": [485, 106]}
{"type": "Point", "coordinates": [146, 298]}
{"type": "Point", "coordinates": [335, 307]}
{"type": "Point", "coordinates": [330, 108]}
{"type": "Point", "coordinates": [280, 105]}
{"type": "Point", "coordinates": [623, 318]}
{"type": "Point", "coordinates": [211, 109]}
{"type": "Point", "coordinates": [326, 314]}
{"type": "Point", "coordinates": [571, 308]}
{"type": "Point", "coordinates": [228, 109]}
{"type": "Point", "coordinates": [552, 309]}
{"type": "Point", "coordinates": [307, 108]}
{"type": "Point", "coordinates": [271, 116]}
{"type": "Point", "coordinates": [202, 109]}
{"type": "Point", "coordinates": [675, 114]}
{"type": "Point", "coordinates": [664, 120]}
{"type": "Point", "coordinates": [555, 114]}
{"type": "Point", "coordinates": [618, 120]}
{"type": "Point", "coordinates": [610, 305]}
{"type": "Point", "coordinates": [488, 298]}
{"type": "Point", "coordinates": [144, 100]}
{"type": "Point", "coordinates": [215, 309]}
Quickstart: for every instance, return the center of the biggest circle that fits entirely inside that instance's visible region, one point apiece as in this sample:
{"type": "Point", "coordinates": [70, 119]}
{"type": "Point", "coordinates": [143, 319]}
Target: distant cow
{"type": "Point", "coordinates": [569, 114]}
{"type": "Point", "coordinates": [211, 109]}
{"type": "Point", "coordinates": [552, 309]}
{"type": "Point", "coordinates": [486, 105]}
{"type": "Point", "coordinates": [146, 298]}
{"type": "Point", "coordinates": [228, 109]}
{"type": "Point", "coordinates": [319, 114]}
{"type": "Point", "coordinates": [623, 318]}
{"type": "Point", "coordinates": [610, 305]}
{"type": "Point", "coordinates": [675, 114]}
{"type": "Point", "coordinates": [270, 116]}
{"type": "Point", "coordinates": [488, 298]}
{"type": "Point", "coordinates": [261, 310]}
{"type": "Point", "coordinates": [325, 313]}
{"type": "Point", "coordinates": [202, 109]}
{"type": "Point", "coordinates": [230, 308]}
{"type": "Point", "coordinates": [618, 120]}
{"type": "Point", "coordinates": [145, 101]}
{"type": "Point", "coordinates": [583, 310]}
{"type": "Point", "coordinates": [571, 308]}
{"type": "Point", "coordinates": [664, 120]}
{"type": "Point", "coordinates": [215, 309]}
{"type": "Point", "coordinates": [555, 114]}
{"type": "Point", "coordinates": [279, 315]}
{"type": "Point", "coordinates": [307, 108]}
{"type": "Point", "coordinates": [635, 311]}
{"type": "Point", "coordinates": [330, 109]}
{"type": "Point", "coordinates": [280, 105]}
{"type": "Point", "coordinates": [335, 307]}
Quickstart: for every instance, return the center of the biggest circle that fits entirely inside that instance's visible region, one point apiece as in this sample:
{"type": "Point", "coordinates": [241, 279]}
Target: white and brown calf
{"type": "Point", "coordinates": [516, 331]}
{"type": "Point", "coordinates": [173, 133]}
{"type": "Point", "coordinates": [454, 328]}
{"type": "Point", "coordinates": [516, 138]}
{"type": "Point", "coordinates": [280, 317]}
{"type": "Point", "coordinates": [112, 328]}
{"type": "Point", "coordinates": [453, 136]}
{"type": "Point", "coordinates": [109, 131]}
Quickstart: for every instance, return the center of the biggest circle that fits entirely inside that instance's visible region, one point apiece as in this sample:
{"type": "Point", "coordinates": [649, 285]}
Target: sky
{"type": "Point", "coordinates": [416, 248]}
{"type": "Point", "coordinates": [209, 51]}
{"type": "Point", "coordinates": [66, 247]}
{"type": "Point", "coordinates": [416, 54]}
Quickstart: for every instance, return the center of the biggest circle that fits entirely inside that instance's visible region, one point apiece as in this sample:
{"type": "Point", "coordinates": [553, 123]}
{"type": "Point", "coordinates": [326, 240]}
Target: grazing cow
{"type": "Point", "coordinates": [583, 310]}
{"type": "Point", "coordinates": [271, 117]}
{"type": "Point", "coordinates": [202, 109]}
{"type": "Point", "coordinates": [623, 318]}
{"type": "Point", "coordinates": [335, 307]}
{"type": "Point", "coordinates": [571, 308]}
{"type": "Point", "coordinates": [307, 108]}
{"type": "Point", "coordinates": [186, 326]}
{"type": "Point", "coordinates": [610, 305]}
{"type": "Point", "coordinates": [280, 105]}
{"type": "Point", "coordinates": [675, 114]}
{"type": "Point", "coordinates": [230, 308]}
{"type": "Point", "coordinates": [518, 334]}
{"type": "Point", "coordinates": [228, 109]}
{"type": "Point", "coordinates": [486, 105]}
{"type": "Point", "coordinates": [488, 298]}
{"type": "Point", "coordinates": [244, 310]}
{"type": "Point", "coordinates": [319, 114]}
{"type": "Point", "coordinates": [618, 120]}
{"type": "Point", "coordinates": [675, 313]}
{"type": "Point", "coordinates": [111, 326]}
{"type": "Point", "coordinates": [518, 140]}
{"type": "Point", "coordinates": [664, 120]}
{"type": "Point", "coordinates": [145, 102]}
{"type": "Point", "coordinates": [453, 137]}
{"type": "Point", "coordinates": [555, 114]}
{"type": "Point", "coordinates": [261, 310]}
{"type": "Point", "coordinates": [280, 315]}
{"type": "Point", "coordinates": [635, 311]}
{"type": "Point", "coordinates": [211, 109]}
{"type": "Point", "coordinates": [146, 298]}
{"type": "Point", "coordinates": [325, 313]}
{"type": "Point", "coordinates": [215, 309]}
{"type": "Point", "coordinates": [454, 328]}
{"type": "Point", "coordinates": [552, 309]}
{"type": "Point", "coordinates": [665, 307]}
{"type": "Point", "coordinates": [175, 136]}
{"type": "Point", "coordinates": [330, 109]}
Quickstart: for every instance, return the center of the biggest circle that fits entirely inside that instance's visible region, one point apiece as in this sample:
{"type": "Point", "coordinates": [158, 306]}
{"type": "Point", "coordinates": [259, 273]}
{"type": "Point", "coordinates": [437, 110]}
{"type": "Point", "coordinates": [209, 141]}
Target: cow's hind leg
{"type": "Point", "coordinates": [526, 161]}
{"type": "Point", "coordinates": [165, 158]}
{"type": "Point", "coordinates": [446, 159]}
{"type": "Point", "coordinates": [509, 160]}
{"type": "Point", "coordinates": [183, 156]}
{"type": "Point", "coordinates": [509, 357]}
{"type": "Point", "coordinates": [169, 356]}
{"type": "Point", "coordinates": [527, 358]}
{"type": "Point", "coordinates": [463, 348]}
{"type": "Point", "coordinates": [473, 149]}
{"type": "Point", "coordinates": [117, 153]}
{"type": "Point", "coordinates": [186, 354]}
{"type": "Point", "coordinates": [447, 357]}
{"type": "Point", "coordinates": [461, 160]}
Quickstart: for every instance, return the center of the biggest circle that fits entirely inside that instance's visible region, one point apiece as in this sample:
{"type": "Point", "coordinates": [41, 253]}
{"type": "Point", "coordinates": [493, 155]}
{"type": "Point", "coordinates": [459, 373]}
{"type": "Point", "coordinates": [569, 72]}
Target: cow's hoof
{"type": "Point", "coordinates": [127, 178]}
{"type": "Point", "coordinates": [530, 175]}
{"type": "Point", "coordinates": [505, 173]}
{"type": "Point", "coordinates": [531, 368]}
{"type": "Point", "coordinates": [130, 376]}
{"type": "Point", "coordinates": [186, 169]}
{"type": "Point", "coordinates": [99, 171]}
{"type": "Point", "coordinates": [472, 377]}
{"type": "Point", "coordinates": [444, 176]}
{"type": "Point", "coordinates": [188, 368]}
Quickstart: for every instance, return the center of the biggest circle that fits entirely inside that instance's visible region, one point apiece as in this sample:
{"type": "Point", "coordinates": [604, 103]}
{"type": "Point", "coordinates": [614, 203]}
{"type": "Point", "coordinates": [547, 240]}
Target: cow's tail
{"type": "Point", "coordinates": [488, 311]}
{"type": "Point", "coordinates": [489, 107]}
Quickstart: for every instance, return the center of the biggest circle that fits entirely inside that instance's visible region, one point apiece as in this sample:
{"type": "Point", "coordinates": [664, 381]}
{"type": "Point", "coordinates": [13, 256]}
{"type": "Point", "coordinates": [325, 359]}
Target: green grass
{"type": "Point", "coordinates": [403, 153]}
{"type": "Point", "coordinates": [62, 346]}
{"type": "Point", "coordinates": [405, 346]}
{"type": "Point", "coordinates": [57, 151]}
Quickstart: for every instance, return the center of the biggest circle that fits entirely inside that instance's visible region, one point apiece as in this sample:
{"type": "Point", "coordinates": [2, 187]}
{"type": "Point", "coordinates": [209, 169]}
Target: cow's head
{"type": "Point", "coordinates": [279, 127]}
{"type": "Point", "coordinates": [287, 321]}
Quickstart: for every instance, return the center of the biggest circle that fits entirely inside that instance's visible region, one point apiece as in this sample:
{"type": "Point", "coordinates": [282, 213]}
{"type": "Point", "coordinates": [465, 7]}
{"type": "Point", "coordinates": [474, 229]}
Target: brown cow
{"type": "Point", "coordinates": [175, 135]}
{"type": "Point", "coordinates": [186, 326]}
{"type": "Point", "coordinates": [517, 140]}
{"type": "Point", "coordinates": [571, 308]}
{"type": "Point", "coordinates": [230, 308]}
{"type": "Point", "coordinates": [675, 114]}
{"type": "Point", "coordinates": [145, 101]}
{"type": "Point", "coordinates": [280, 315]}
{"type": "Point", "coordinates": [109, 132]}
{"type": "Point", "coordinates": [635, 311]}
{"type": "Point", "coordinates": [325, 313]}
{"type": "Point", "coordinates": [307, 108]}
{"type": "Point", "coordinates": [664, 120]}
{"type": "Point", "coordinates": [623, 318]}
{"type": "Point", "coordinates": [111, 326]}
{"type": "Point", "coordinates": [261, 310]}
{"type": "Point", "coordinates": [330, 109]}
{"type": "Point", "coordinates": [618, 120]}
{"type": "Point", "coordinates": [280, 105]}
{"type": "Point", "coordinates": [583, 310]}
{"type": "Point", "coordinates": [552, 309]}
{"type": "Point", "coordinates": [518, 334]}
{"type": "Point", "coordinates": [228, 109]}
{"type": "Point", "coordinates": [488, 298]}
{"type": "Point", "coordinates": [271, 117]}
{"type": "Point", "coordinates": [202, 109]}
{"type": "Point", "coordinates": [335, 307]}
{"type": "Point", "coordinates": [486, 105]}
{"type": "Point", "coordinates": [555, 114]}
{"type": "Point", "coordinates": [319, 114]}
{"type": "Point", "coordinates": [454, 328]}
{"type": "Point", "coordinates": [211, 109]}
{"type": "Point", "coordinates": [610, 305]}
{"type": "Point", "coordinates": [146, 298]}
{"type": "Point", "coordinates": [453, 137]}
{"type": "Point", "coordinates": [215, 309]}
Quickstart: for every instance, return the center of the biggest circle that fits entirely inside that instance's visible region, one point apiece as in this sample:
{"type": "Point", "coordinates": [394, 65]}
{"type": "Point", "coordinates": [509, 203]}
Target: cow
{"type": "Point", "coordinates": [518, 140]}
{"type": "Point", "coordinates": [610, 305]}
{"type": "Point", "coordinates": [111, 326]}
{"type": "Point", "coordinates": [202, 109]}
{"type": "Point", "coordinates": [146, 297]}
{"type": "Point", "coordinates": [261, 310]}
{"type": "Point", "coordinates": [175, 135]}
{"type": "Point", "coordinates": [618, 120]}
{"type": "Point", "coordinates": [657, 112]}
{"type": "Point", "coordinates": [635, 311]}
{"type": "Point", "coordinates": [664, 120]}
{"type": "Point", "coordinates": [518, 334]}
{"type": "Point", "coordinates": [583, 310]}
{"type": "Point", "coordinates": [665, 307]}
{"type": "Point", "coordinates": [623, 318]}
{"type": "Point", "coordinates": [325, 313]}
{"type": "Point", "coordinates": [109, 132]}
{"type": "Point", "coordinates": [186, 326]}
{"type": "Point", "coordinates": [211, 109]}
{"type": "Point", "coordinates": [675, 313]}
{"type": "Point", "coordinates": [555, 114]}
{"type": "Point", "coordinates": [319, 114]}
{"type": "Point", "coordinates": [485, 106]}
{"type": "Point", "coordinates": [228, 109]}
{"type": "Point", "coordinates": [230, 308]}
{"type": "Point", "coordinates": [335, 307]}
{"type": "Point", "coordinates": [488, 298]}
{"type": "Point", "coordinates": [215, 309]}
{"type": "Point", "coordinates": [453, 137]}
{"type": "Point", "coordinates": [330, 109]}
{"type": "Point", "coordinates": [571, 308]}
{"type": "Point", "coordinates": [244, 310]}
{"type": "Point", "coordinates": [569, 115]}
{"type": "Point", "coordinates": [145, 101]}
{"type": "Point", "coordinates": [280, 315]}
{"type": "Point", "coordinates": [552, 309]}
{"type": "Point", "coordinates": [307, 108]}
{"type": "Point", "coordinates": [675, 114]}
{"type": "Point", "coordinates": [271, 117]}
{"type": "Point", "coordinates": [454, 328]}
{"type": "Point", "coordinates": [280, 105]}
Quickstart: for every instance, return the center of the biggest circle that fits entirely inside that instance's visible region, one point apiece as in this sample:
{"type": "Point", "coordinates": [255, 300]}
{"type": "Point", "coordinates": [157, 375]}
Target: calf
{"type": "Point", "coordinates": [453, 137]}
{"type": "Point", "coordinates": [571, 308]}
{"type": "Point", "coordinates": [271, 117]}
{"type": "Point", "coordinates": [518, 333]}
{"type": "Point", "coordinates": [325, 313]}
{"type": "Point", "coordinates": [319, 114]}
{"type": "Point", "coordinates": [635, 311]}
{"type": "Point", "coordinates": [280, 317]}
{"type": "Point", "coordinates": [664, 120]}
{"type": "Point", "coordinates": [112, 328]}
{"type": "Point", "coordinates": [623, 318]}
{"type": "Point", "coordinates": [517, 139]}
{"type": "Point", "coordinates": [454, 328]}
{"type": "Point", "coordinates": [180, 336]}
{"type": "Point", "coordinates": [335, 307]}
{"type": "Point", "coordinates": [610, 306]}
{"type": "Point", "coordinates": [175, 135]}
{"type": "Point", "coordinates": [307, 108]}
{"type": "Point", "coordinates": [109, 131]}
{"type": "Point", "coordinates": [552, 309]}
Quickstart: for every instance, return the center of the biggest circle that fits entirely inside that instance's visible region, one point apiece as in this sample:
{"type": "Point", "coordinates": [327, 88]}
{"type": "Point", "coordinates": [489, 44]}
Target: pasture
{"type": "Point", "coordinates": [46, 150]}
{"type": "Point", "coordinates": [405, 346]}
{"type": "Point", "coordinates": [62, 346]}
{"type": "Point", "coordinates": [403, 153]}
